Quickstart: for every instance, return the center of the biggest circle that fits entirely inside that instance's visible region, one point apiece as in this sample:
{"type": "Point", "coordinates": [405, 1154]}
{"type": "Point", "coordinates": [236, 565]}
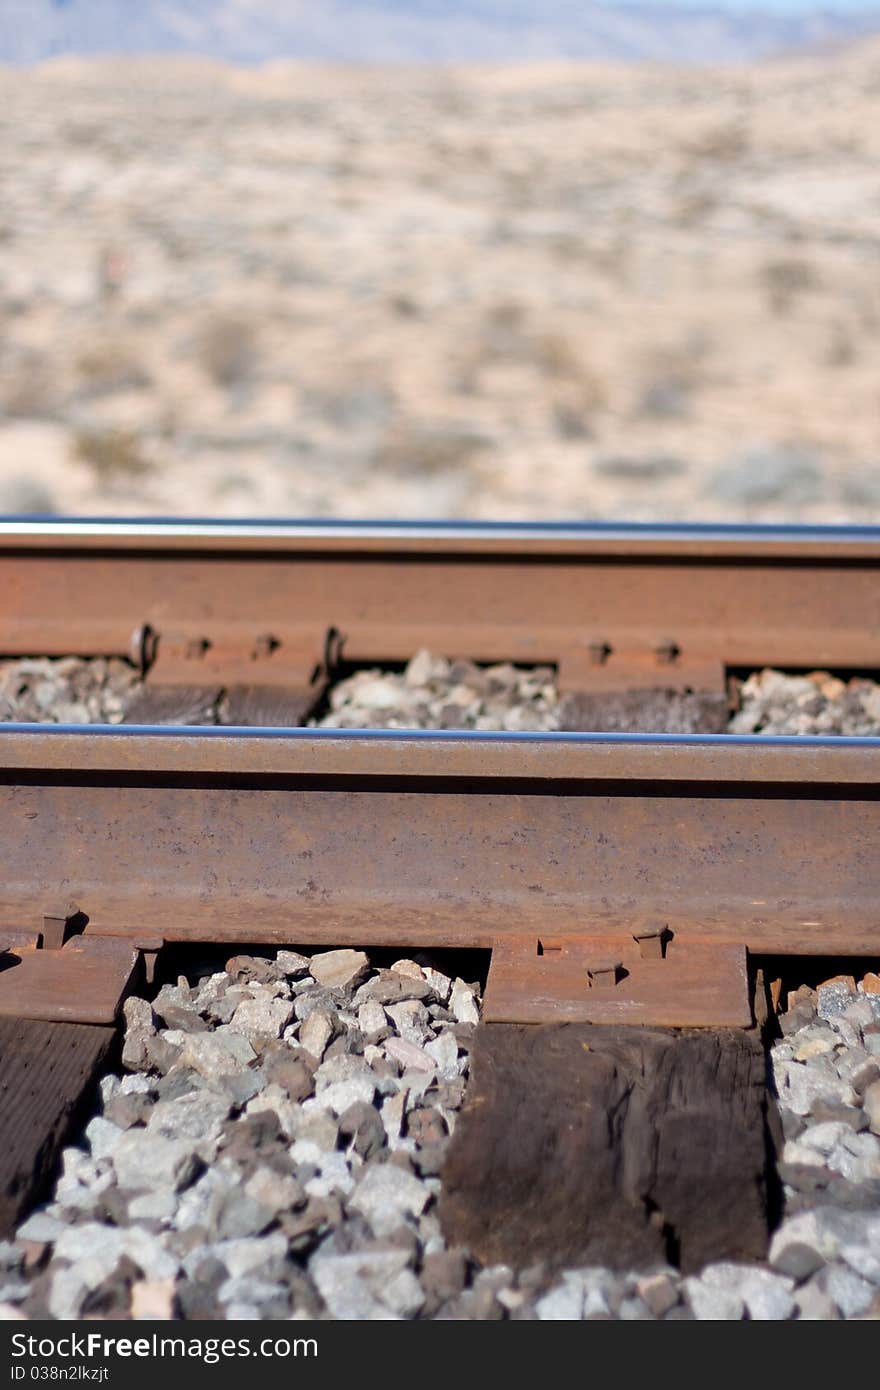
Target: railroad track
{"type": "Point", "coordinates": [626, 884]}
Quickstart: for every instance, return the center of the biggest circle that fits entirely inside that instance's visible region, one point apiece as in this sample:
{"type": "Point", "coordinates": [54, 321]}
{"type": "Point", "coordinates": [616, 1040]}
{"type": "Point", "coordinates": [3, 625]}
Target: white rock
{"type": "Point", "coordinates": [352, 1286]}
{"type": "Point", "coordinates": [441, 984]}
{"type": "Point", "coordinates": [850, 1292]}
{"type": "Point", "coordinates": [857, 1157]}
{"type": "Point", "coordinates": [403, 1294]}
{"type": "Point", "coordinates": [135, 1085]}
{"type": "Point", "coordinates": [386, 1195]}
{"type": "Point", "coordinates": [823, 1137]}
{"type": "Point", "coordinates": [565, 1303]}
{"type": "Point", "coordinates": [341, 1094]}
{"type": "Point", "coordinates": [463, 1003]}
{"type": "Point", "coordinates": [153, 1206]}
{"type": "Point", "coordinates": [444, 1050]}
{"type": "Point", "coordinates": [96, 1250]}
{"type": "Point", "coordinates": [410, 1019]}
{"type": "Point", "coordinates": [102, 1136]}
{"type": "Point", "coordinates": [292, 963]}
{"type": "Point", "coordinates": [242, 1256]}
{"type": "Point", "coordinates": [392, 1112]}
{"type": "Point", "coordinates": [41, 1227]}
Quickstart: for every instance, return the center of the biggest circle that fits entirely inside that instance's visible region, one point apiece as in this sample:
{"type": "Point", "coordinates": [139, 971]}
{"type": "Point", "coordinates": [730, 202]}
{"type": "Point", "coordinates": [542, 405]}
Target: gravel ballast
{"type": "Point", "coordinates": [433, 692]}
{"type": "Point", "coordinates": [273, 1145]}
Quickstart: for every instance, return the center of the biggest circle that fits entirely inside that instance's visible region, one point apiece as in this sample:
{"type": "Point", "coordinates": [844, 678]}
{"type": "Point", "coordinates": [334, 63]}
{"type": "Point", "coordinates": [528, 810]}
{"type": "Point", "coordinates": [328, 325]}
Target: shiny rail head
{"type": "Point", "coordinates": [379, 753]}
{"type": "Point", "coordinates": [641, 537]}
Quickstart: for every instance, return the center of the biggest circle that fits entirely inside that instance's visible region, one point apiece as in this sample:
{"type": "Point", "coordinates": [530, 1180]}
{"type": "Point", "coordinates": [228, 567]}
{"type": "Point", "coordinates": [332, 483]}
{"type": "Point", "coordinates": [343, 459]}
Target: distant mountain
{"type": "Point", "coordinates": [249, 31]}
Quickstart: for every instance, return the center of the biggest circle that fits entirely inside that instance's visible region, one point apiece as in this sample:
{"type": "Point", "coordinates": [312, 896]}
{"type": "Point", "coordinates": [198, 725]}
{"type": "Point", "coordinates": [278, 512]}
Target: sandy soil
{"type": "Point", "coordinates": [546, 291]}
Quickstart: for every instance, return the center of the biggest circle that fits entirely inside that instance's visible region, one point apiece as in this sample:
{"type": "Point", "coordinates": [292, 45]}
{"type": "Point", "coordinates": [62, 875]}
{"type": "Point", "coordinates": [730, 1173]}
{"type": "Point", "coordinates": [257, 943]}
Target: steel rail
{"type": "Point", "coordinates": [613, 607]}
{"type": "Point", "coordinates": [412, 840]}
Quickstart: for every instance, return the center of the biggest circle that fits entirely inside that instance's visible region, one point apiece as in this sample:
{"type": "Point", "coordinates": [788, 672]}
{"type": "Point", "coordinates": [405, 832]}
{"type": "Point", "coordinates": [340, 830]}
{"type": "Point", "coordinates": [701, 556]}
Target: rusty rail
{"type": "Point", "coordinates": [563, 850]}
{"type": "Point", "coordinates": [615, 608]}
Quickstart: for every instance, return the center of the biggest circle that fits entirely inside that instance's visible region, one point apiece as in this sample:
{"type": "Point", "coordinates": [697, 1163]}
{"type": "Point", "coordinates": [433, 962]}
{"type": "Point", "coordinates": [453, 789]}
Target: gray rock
{"type": "Point", "coordinates": [67, 1293]}
{"type": "Point", "coordinates": [390, 987]}
{"type": "Point", "coordinates": [262, 1018]}
{"type": "Point", "coordinates": [292, 963]}
{"type": "Point", "coordinates": [237, 1215]}
{"type": "Point", "coordinates": [243, 1257]}
{"type": "Point", "coordinates": [834, 998]}
{"type": "Point", "coordinates": [386, 1195]}
{"type": "Point", "coordinates": [216, 1054]}
{"type": "Point", "coordinates": [338, 969]}
{"type": "Point", "coordinates": [145, 1161]}
{"type": "Point", "coordinates": [197, 1116]}
{"type": "Point", "coordinates": [807, 1083]}
{"type": "Point", "coordinates": [353, 1286]}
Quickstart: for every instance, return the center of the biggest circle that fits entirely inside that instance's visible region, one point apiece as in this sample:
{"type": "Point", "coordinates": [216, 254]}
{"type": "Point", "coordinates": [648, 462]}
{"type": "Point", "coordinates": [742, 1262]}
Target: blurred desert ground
{"type": "Point", "coordinates": [539, 291]}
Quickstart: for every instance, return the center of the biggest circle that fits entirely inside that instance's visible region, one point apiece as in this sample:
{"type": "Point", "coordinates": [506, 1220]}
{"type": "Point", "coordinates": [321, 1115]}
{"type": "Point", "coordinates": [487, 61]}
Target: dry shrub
{"type": "Point", "coordinates": [720, 143]}
{"type": "Point", "coordinates": [112, 452]}
{"type": "Point", "coordinates": [109, 366]}
{"type": "Point", "coordinates": [30, 389]}
{"type": "Point", "coordinates": [785, 279]}
{"type": "Point", "coordinates": [227, 349]}
{"type": "Point", "coordinates": [412, 449]}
